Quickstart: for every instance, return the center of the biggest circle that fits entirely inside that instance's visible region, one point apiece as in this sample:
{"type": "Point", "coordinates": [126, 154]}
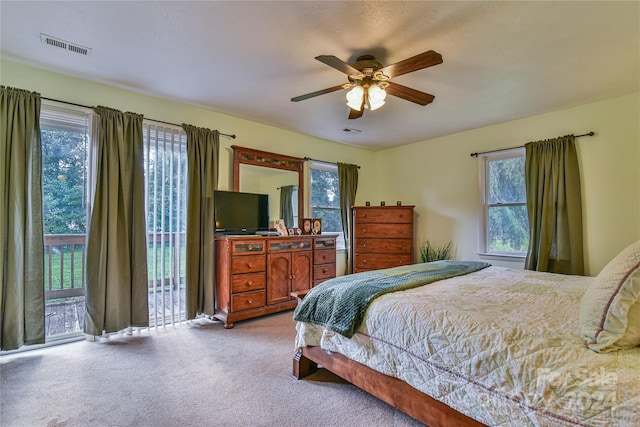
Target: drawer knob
{"type": "Point", "coordinates": [364, 230]}
{"type": "Point", "coordinates": [250, 247]}
{"type": "Point", "coordinates": [250, 282]}
{"type": "Point", "coordinates": [364, 216]}
{"type": "Point", "coordinates": [249, 265]}
{"type": "Point", "coordinates": [364, 261]}
{"type": "Point", "coordinates": [250, 301]}
{"type": "Point", "coordinates": [364, 245]}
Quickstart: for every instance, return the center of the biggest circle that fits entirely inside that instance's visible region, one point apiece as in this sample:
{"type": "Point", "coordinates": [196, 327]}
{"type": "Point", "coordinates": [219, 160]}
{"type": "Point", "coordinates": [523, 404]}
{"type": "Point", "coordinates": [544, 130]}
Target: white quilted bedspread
{"type": "Point", "coordinates": [500, 345]}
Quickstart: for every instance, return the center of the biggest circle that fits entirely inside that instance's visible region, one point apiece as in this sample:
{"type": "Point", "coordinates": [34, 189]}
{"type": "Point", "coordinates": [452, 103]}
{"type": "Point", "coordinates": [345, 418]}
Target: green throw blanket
{"type": "Point", "coordinates": [340, 304]}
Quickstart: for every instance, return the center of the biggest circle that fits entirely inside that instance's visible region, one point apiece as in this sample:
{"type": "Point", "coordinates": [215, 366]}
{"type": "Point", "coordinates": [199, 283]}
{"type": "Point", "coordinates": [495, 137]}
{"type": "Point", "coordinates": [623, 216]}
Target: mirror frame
{"type": "Point", "coordinates": [250, 156]}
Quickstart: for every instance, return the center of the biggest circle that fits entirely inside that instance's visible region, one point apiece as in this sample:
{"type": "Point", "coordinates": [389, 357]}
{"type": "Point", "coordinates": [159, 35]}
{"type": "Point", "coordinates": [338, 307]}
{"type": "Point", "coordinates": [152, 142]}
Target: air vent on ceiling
{"type": "Point", "coordinates": [348, 130]}
{"type": "Point", "coordinates": [62, 44]}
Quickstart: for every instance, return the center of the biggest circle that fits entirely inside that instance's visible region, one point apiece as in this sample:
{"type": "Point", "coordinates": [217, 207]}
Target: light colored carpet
{"type": "Point", "coordinates": [197, 374]}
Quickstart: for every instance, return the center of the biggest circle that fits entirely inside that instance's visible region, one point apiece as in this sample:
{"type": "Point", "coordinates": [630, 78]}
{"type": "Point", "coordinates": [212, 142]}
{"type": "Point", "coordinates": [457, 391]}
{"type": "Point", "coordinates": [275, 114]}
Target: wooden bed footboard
{"type": "Point", "coordinates": [391, 390]}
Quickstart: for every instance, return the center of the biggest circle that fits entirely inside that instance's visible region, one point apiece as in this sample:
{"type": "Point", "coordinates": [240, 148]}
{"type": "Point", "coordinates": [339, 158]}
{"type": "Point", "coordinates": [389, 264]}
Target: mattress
{"type": "Point", "coordinates": [499, 345]}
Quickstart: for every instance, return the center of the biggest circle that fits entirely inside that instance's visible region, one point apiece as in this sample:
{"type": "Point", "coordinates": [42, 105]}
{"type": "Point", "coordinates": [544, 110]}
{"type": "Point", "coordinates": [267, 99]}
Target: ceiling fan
{"type": "Point", "coordinates": [369, 81]}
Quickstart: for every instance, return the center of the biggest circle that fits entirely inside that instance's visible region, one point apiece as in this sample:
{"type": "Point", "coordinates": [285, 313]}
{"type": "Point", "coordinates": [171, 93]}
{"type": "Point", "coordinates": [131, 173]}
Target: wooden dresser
{"type": "Point", "coordinates": [382, 237]}
{"type": "Point", "coordinates": [256, 275]}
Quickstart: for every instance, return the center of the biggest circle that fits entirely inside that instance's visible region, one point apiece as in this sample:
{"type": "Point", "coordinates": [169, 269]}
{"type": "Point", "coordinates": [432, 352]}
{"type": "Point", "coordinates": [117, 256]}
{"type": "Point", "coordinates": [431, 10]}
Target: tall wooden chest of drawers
{"type": "Point", "coordinates": [382, 237]}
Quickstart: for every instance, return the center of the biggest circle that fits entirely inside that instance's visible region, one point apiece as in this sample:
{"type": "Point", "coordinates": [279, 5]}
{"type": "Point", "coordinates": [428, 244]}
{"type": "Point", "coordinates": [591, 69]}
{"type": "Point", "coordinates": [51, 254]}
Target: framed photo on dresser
{"type": "Point", "coordinates": [306, 225]}
{"type": "Point", "coordinates": [281, 228]}
{"type": "Point", "coordinates": [317, 226]}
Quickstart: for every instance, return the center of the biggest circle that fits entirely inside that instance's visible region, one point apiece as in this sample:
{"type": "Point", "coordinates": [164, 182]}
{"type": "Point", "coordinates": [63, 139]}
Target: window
{"type": "Point", "coordinates": [325, 198]}
{"type": "Point", "coordinates": [504, 224]}
{"type": "Point", "coordinates": [66, 133]}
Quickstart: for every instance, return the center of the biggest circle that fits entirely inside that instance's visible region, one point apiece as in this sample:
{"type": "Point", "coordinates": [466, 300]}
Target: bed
{"type": "Point", "coordinates": [495, 346]}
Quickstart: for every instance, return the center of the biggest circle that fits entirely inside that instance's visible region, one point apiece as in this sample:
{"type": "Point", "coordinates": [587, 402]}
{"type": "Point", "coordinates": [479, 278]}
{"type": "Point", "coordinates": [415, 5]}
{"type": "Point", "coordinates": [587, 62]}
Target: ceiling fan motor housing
{"type": "Point", "coordinates": [368, 66]}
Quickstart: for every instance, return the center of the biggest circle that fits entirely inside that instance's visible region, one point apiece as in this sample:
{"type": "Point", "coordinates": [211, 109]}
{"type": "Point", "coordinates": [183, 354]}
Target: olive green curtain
{"type": "Point", "coordinates": [117, 281]}
{"type": "Point", "coordinates": [286, 204]}
{"type": "Point", "coordinates": [348, 185]}
{"type": "Point", "coordinates": [554, 205]}
{"type": "Point", "coordinates": [203, 146]}
{"type": "Point", "coordinates": [21, 233]}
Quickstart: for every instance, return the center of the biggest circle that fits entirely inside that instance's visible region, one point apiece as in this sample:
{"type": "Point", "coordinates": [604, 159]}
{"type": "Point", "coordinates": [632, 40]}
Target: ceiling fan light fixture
{"type": "Point", "coordinates": [354, 98]}
{"type": "Point", "coordinates": [376, 97]}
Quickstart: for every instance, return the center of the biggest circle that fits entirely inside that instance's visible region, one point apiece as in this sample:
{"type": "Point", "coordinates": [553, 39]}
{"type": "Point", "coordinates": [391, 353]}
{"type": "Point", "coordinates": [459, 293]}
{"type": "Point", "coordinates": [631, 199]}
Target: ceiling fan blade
{"type": "Point", "coordinates": [338, 64]}
{"type": "Point", "coordinates": [418, 62]}
{"type": "Point", "coordinates": [354, 114]}
{"type": "Point", "coordinates": [409, 94]}
{"type": "Point", "coordinates": [317, 93]}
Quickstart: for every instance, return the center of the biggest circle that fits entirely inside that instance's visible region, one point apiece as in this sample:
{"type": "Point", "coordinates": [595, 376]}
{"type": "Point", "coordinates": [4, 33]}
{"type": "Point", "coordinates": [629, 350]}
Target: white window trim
{"type": "Point", "coordinates": [483, 207]}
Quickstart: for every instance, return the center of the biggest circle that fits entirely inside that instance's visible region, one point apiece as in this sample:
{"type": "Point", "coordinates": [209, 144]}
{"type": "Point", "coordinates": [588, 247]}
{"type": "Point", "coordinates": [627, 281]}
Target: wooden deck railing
{"type": "Point", "coordinates": [65, 263]}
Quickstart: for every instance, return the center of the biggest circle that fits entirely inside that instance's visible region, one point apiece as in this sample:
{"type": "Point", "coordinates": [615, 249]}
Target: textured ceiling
{"type": "Point", "coordinates": [502, 60]}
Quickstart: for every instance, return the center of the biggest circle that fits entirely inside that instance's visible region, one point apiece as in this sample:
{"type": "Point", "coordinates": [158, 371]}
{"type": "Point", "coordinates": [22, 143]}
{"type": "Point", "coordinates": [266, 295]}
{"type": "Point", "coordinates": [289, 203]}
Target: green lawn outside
{"type": "Point", "coordinates": [68, 270]}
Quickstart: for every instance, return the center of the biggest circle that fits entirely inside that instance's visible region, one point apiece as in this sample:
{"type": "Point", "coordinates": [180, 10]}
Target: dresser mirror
{"type": "Point", "coordinates": [278, 175]}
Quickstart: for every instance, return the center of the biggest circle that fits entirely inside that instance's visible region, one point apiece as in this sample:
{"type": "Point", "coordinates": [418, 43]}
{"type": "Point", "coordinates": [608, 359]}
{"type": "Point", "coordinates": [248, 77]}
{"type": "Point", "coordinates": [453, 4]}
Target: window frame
{"type": "Point", "coordinates": [484, 205]}
{"type": "Point", "coordinates": [331, 167]}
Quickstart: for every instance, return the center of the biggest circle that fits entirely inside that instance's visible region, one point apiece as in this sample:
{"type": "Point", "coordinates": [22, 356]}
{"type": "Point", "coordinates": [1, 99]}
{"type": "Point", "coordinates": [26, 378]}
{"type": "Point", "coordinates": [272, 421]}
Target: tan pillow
{"type": "Point", "coordinates": [610, 309]}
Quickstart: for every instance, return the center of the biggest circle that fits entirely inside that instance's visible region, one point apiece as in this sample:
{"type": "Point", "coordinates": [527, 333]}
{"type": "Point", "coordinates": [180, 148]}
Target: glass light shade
{"type": "Point", "coordinates": [354, 98]}
{"type": "Point", "coordinates": [376, 97]}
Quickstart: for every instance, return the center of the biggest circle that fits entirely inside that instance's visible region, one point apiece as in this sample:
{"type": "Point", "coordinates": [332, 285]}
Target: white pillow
{"type": "Point", "coordinates": [610, 309]}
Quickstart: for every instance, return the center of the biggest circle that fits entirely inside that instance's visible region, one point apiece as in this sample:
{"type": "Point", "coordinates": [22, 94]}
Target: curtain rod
{"type": "Point", "coordinates": [511, 148]}
{"type": "Point", "coordinates": [323, 161]}
{"type": "Point", "coordinates": [232, 136]}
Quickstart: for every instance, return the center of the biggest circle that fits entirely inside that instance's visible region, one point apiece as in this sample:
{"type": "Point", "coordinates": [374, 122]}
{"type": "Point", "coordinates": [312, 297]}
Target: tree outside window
{"type": "Point", "coordinates": [64, 181]}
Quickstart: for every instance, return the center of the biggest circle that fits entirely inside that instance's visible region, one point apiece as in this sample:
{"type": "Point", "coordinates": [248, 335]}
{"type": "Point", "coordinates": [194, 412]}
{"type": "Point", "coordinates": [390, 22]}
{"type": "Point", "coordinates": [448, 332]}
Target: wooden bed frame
{"type": "Point", "coordinates": [391, 390]}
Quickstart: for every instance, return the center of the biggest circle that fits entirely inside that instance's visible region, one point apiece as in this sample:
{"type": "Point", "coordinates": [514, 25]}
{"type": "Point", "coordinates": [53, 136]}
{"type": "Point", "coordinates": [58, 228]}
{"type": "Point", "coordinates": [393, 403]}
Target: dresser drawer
{"type": "Point", "coordinates": [385, 215]}
{"type": "Point", "coordinates": [324, 272]}
{"type": "Point", "coordinates": [324, 257]}
{"type": "Point", "coordinates": [248, 300]}
{"type": "Point", "coordinates": [290, 245]}
{"type": "Point", "coordinates": [248, 282]}
{"type": "Point", "coordinates": [384, 230]}
{"type": "Point", "coordinates": [325, 243]}
{"type": "Point", "coordinates": [382, 246]}
{"type": "Point", "coordinates": [247, 247]}
{"type": "Point", "coordinates": [377, 261]}
{"type": "Point", "coordinates": [248, 264]}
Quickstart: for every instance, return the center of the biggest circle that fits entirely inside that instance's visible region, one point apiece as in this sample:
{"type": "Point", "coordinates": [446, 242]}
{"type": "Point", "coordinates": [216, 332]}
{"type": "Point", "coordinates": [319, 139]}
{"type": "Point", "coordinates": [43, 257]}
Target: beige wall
{"type": "Point", "coordinates": [438, 175]}
{"type": "Point", "coordinates": [441, 179]}
{"type": "Point", "coordinates": [249, 134]}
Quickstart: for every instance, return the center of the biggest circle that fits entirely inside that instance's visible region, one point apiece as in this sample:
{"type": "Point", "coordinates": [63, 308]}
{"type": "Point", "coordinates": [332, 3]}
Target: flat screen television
{"type": "Point", "coordinates": [241, 213]}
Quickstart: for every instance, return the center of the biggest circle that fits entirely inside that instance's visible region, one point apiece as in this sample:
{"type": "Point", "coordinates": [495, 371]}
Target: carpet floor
{"type": "Point", "coordinates": [196, 374]}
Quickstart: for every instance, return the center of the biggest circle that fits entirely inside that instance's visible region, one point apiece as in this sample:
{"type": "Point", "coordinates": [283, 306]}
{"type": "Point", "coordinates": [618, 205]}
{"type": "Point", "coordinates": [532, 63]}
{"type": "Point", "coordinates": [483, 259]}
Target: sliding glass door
{"type": "Point", "coordinates": [66, 185]}
{"type": "Point", "coordinates": [165, 195]}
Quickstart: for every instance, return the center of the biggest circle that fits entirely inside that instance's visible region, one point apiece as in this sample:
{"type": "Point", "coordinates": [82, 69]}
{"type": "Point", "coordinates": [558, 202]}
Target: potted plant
{"type": "Point", "coordinates": [430, 252]}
